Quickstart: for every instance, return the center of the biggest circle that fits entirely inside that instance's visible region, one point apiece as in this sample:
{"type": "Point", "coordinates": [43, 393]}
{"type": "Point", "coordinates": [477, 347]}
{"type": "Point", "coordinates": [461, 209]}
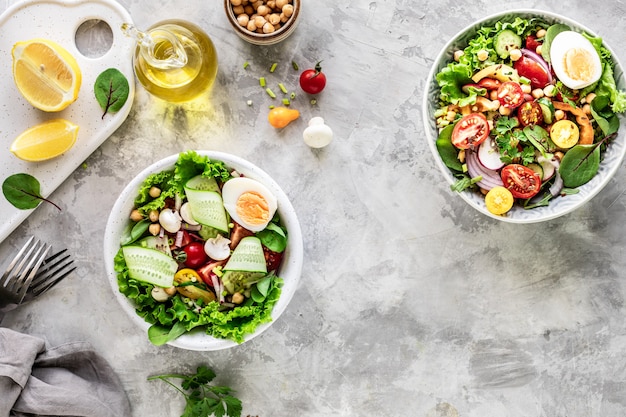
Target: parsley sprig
{"type": "Point", "coordinates": [202, 399]}
{"type": "Point", "coordinates": [508, 137]}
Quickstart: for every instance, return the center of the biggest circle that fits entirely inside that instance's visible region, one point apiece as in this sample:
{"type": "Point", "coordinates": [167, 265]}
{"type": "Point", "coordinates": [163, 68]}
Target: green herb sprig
{"type": "Point", "coordinates": [201, 398]}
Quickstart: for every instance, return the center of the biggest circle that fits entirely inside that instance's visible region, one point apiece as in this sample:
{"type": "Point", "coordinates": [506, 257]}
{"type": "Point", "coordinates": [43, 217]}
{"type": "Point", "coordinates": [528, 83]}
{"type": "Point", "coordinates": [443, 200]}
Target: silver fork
{"type": "Point", "coordinates": [18, 276]}
{"type": "Point", "coordinates": [53, 269]}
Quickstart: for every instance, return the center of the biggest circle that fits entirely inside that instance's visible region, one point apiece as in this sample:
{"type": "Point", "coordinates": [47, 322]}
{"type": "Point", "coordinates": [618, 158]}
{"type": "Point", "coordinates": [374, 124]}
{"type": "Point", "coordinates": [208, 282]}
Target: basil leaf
{"type": "Point", "coordinates": [579, 165]}
{"type": "Point", "coordinates": [111, 90]}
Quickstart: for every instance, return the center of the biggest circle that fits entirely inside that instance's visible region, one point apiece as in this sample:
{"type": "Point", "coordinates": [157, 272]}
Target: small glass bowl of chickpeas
{"type": "Point", "coordinates": [263, 22]}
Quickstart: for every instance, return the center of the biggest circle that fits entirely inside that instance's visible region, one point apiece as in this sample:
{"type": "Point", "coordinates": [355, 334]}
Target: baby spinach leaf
{"type": "Point", "coordinates": [274, 237]}
{"type": "Point", "coordinates": [111, 90]}
{"type": "Point", "coordinates": [23, 191]}
{"type": "Point", "coordinates": [579, 165]}
{"type": "Point", "coordinates": [447, 151]}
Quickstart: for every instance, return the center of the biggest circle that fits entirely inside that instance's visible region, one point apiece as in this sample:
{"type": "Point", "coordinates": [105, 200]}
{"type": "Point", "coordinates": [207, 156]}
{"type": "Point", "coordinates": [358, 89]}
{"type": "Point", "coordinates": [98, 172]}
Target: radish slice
{"type": "Point", "coordinates": [489, 155]}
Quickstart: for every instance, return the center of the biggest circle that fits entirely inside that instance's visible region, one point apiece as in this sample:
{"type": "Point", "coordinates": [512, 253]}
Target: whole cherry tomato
{"type": "Point", "coordinates": [196, 256]}
{"type": "Point", "coordinates": [313, 81]}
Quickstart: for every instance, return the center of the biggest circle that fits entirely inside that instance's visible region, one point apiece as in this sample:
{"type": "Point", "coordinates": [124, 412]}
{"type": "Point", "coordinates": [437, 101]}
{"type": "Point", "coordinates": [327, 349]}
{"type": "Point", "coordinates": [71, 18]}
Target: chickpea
{"type": "Point", "coordinates": [243, 20]}
{"type": "Point", "coordinates": [235, 2]}
{"type": "Point", "coordinates": [238, 10]}
{"type": "Point", "coordinates": [537, 93]}
{"type": "Point", "coordinates": [153, 216]}
{"type": "Point", "coordinates": [549, 90]}
{"type": "Point", "coordinates": [259, 21]}
{"type": "Point", "coordinates": [482, 55]}
{"type": "Point", "coordinates": [237, 298]}
{"type": "Point", "coordinates": [281, 3]}
{"type": "Point", "coordinates": [136, 215]}
{"type": "Point", "coordinates": [538, 50]}
{"type": "Point", "coordinates": [559, 115]}
{"type": "Point", "coordinates": [171, 290]}
{"type": "Point", "coordinates": [458, 54]}
{"type": "Point", "coordinates": [505, 111]}
{"type": "Point", "coordinates": [283, 18]}
{"type": "Point", "coordinates": [589, 98]}
{"type": "Point", "coordinates": [248, 9]}
{"type": "Point", "coordinates": [257, 4]}
{"type": "Point", "coordinates": [154, 229]}
{"type": "Point", "coordinates": [263, 10]}
{"type": "Point", "coordinates": [493, 95]}
{"type": "Point", "coordinates": [287, 10]}
{"type": "Point", "coordinates": [154, 192]}
{"type": "Point", "coordinates": [274, 19]}
{"type": "Point", "coordinates": [450, 116]}
{"type": "Point", "coordinates": [541, 33]}
{"type": "Point", "coordinates": [515, 54]}
{"type": "Point", "coordinates": [251, 26]}
{"type": "Point", "coordinates": [587, 108]}
{"type": "Point", "coordinates": [271, 4]}
{"type": "Point", "coordinates": [526, 88]}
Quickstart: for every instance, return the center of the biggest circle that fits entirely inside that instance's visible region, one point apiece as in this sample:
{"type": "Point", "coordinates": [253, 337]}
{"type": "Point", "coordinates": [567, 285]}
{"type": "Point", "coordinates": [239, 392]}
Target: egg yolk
{"type": "Point", "coordinates": [253, 208]}
{"type": "Point", "coordinates": [578, 64]}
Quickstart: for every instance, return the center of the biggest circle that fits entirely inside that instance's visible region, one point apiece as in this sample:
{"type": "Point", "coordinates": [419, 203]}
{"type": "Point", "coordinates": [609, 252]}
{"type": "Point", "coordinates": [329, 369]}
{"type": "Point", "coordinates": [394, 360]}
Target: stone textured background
{"type": "Point", "coordinates": [410, 303]}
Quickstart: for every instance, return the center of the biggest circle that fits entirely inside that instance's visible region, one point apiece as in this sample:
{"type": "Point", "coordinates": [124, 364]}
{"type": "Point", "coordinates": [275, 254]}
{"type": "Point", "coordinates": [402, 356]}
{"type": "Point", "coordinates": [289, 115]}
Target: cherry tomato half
{"type": "Point", "coordinates": [313, 81]}
{"type": "Point", "coordinates": [530, 113]}
{"type": "Point", "coordinates": [510, 94]}
{"type": "Point", "coordinates": [521, 181]}
{"type": "Point", "coordinates": [532, 43]}
{"type": "Point", "coordinates": [470, 131]}
{"type": "Point", "coordinates": [196, 256]}
{"type": "Point", "coordinates": [530, 69]}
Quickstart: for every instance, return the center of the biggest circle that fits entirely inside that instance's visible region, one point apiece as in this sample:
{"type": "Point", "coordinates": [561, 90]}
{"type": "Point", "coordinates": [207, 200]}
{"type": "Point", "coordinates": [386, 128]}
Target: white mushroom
{"type": "Point", "coordinates": [170, 220]}
{"type": "Point", "coordinates": [217, 248]}
{"type": "Point", "coordinates": [185, 213]}
{"type": "Point", "coordinates": [317, 134]}
{"type": "Point", "coordinates": [160, 294]}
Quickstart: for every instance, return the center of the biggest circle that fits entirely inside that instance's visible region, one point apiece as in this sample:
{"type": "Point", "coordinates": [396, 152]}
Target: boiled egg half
{"type": "Point", "coordinates": [574, 59]}
{"type": "Point", "coordinates": [249, 203]}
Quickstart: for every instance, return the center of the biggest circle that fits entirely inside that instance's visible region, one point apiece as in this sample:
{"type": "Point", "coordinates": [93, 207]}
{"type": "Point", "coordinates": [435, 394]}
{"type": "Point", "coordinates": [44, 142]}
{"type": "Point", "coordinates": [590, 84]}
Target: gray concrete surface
{"type": "Point", "coordinates": [410, 303]}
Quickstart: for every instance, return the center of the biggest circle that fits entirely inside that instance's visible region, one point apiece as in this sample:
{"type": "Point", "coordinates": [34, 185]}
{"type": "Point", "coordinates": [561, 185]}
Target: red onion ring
{"type": "Point", "coordinates": [475, 169]}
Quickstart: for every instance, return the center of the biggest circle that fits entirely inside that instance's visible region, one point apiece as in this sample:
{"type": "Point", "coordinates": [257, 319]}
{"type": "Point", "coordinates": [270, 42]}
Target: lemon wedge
{"type": "Point", "coordinates": [46, 74]}
{"type": "Point", "coordinates": [45, 140]}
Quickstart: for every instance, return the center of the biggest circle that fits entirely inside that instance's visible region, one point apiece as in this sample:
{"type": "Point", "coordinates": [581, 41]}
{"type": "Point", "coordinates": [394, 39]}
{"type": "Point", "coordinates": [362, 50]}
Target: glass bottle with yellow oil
{"type": "Point", "coordinates": [174, 60]}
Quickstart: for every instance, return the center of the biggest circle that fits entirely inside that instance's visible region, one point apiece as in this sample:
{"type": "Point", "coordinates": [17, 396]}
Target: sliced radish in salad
{"type": "Point", "coordinates": [489, 155]}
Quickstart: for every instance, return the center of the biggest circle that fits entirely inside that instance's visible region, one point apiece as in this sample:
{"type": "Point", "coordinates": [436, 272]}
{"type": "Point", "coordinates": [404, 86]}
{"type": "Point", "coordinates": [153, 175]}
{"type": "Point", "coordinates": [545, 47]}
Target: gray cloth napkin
{"type": "Point", "coordinates": [67, 380]}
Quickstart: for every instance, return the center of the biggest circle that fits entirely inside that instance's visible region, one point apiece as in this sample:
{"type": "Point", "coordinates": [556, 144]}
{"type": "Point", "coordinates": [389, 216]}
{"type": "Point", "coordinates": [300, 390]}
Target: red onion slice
{"type": "Point", "coordinates": [490, 178]}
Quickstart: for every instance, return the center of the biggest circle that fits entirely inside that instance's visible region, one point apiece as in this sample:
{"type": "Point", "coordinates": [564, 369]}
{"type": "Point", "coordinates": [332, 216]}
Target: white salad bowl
{"type": "Point", "coordinates": [559, 206]}
{"type": "Point", "coordinates": [290, 269]}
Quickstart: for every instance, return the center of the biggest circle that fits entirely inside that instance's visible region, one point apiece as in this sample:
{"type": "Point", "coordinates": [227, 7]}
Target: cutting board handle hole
{"type": "Point", "coordinates": [94, 38]}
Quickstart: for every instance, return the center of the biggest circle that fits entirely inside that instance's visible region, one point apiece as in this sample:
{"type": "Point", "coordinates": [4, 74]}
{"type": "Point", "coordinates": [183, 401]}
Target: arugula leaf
{"type": "Point", "coordinates": [203, 399]}
{"type": "Point", "coordinates": [24, 191]}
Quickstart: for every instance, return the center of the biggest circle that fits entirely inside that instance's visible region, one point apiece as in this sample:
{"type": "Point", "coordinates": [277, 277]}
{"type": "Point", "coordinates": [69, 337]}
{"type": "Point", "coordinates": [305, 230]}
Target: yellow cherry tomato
{"type": "Point", "coordinates": [564, 134]}
{"type": "Point", "coordinates": [499, 200]}
{"type": "Point", "coordinates": [280, 117]}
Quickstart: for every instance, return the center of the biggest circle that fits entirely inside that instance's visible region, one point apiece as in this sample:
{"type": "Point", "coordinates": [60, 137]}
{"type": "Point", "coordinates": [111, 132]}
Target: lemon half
{"type": "Point", "coordinates": [46, 74]}
{"type": "Point", "coordinates": [45, 140]}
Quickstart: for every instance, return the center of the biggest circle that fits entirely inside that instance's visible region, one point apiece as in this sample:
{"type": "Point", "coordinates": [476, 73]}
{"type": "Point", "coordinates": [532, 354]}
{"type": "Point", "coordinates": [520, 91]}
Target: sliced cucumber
{"type": "Point", "coordinates": [547, 109]}
{"type": "Point", "coordinates": [248, 256]}
{"type": "Point", "coordinates": [239, 281]}
{"type": "Point", "coordinates": [202, 183]}
{"type": "Point", "coordinates": [505, 41]}
{"type": "Point", "coordinates": [538, 169]}
{"type": "Point", "coordinates": [207, 208]}
{"type": "Point", "coordinates": [150, 265]}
